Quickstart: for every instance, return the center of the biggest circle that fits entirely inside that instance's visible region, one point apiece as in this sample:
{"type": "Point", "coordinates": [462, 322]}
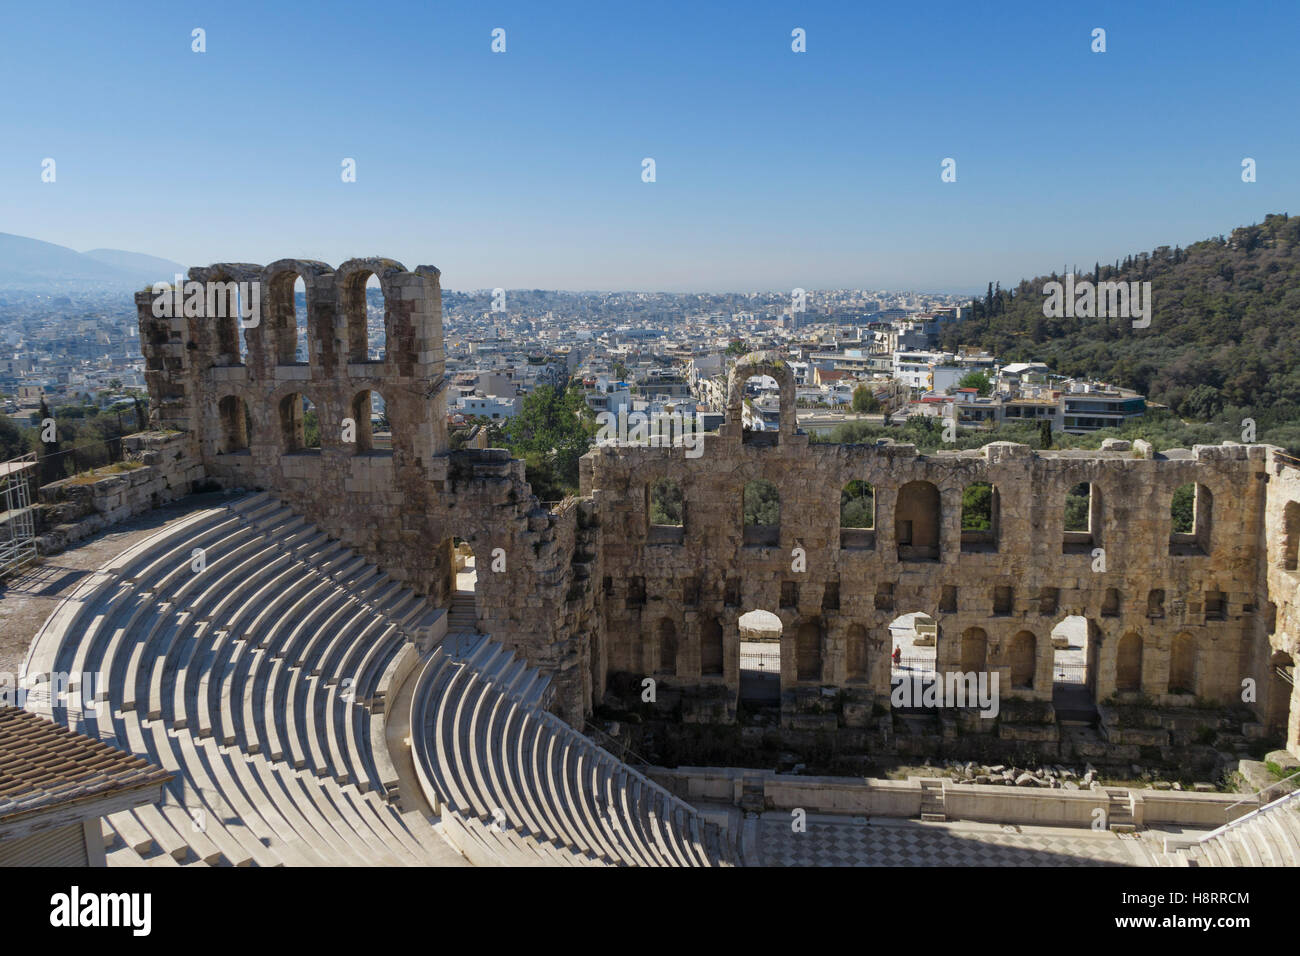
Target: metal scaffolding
{"type": "Point", "coordinates": [18, 517]}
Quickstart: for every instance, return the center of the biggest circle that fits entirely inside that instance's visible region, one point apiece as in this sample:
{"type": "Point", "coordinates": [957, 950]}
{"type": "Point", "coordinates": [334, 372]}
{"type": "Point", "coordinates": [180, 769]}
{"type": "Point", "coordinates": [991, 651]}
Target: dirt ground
{"type": "Point", "coordinates": [28, 598]}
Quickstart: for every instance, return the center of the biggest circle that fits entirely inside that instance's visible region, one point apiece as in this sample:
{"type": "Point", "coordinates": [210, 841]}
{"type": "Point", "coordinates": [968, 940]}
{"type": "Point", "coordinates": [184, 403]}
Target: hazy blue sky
{"type": "Point", "coordinates": [775, 169]}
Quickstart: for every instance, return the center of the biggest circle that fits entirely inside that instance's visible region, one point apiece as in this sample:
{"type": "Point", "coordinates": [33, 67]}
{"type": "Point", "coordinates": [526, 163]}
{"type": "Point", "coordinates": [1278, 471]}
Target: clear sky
{"type": "Point", "coordinates": [775, 169]}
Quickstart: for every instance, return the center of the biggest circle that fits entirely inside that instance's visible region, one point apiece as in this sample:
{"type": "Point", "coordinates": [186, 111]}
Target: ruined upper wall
{"type": "Point", "coordinates": [1129, 573]}
{"type": "Point", "coordinates": [231, 387]}
{"type": "Point", "coordinates": [228, 376]}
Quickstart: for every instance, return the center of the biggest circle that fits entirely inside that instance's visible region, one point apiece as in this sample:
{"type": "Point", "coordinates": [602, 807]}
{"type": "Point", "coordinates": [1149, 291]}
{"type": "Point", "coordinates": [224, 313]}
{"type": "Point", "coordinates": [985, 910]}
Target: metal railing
{"type": "Point", "coordinates": [1069, 673]}
{"type": "Point", "coordinates": [912, 666]}
{"type": "Point", "coordinates": [624, 750]}
{"type": "Point", "coordinates": [1273, 786]}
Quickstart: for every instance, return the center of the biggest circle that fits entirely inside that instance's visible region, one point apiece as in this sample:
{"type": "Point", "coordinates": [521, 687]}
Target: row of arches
{"type": "Point", "coordinates": [918, 516]}
{"type": "Point", "coordinates": [298, 301]}
{"type": "Point", "coordinates": [1072, 641]}
{"type": "Point", "coordinates": [301, 429]}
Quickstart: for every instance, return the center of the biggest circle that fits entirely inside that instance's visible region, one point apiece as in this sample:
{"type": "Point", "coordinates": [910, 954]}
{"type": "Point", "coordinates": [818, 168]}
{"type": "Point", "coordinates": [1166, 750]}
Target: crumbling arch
{"type": "Point", "coordinates": [918, 521]}
{"type": "Point", "coordinates": [772, 364]}
{"type": "Point", "coordinates": [368, 436]}
{"type": "Point", "coordinates": [353, 277]}
{"type": "Point", "coordinates": [224, 284]}
{"type": "Point", "coordinates": [287, 335]}
{"type": "Point", "coordinates": [300, 424]}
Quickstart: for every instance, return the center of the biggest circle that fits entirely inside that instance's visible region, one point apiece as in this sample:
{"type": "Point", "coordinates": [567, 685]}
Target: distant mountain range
{"type": "Point", "coordinates": [35, 266]}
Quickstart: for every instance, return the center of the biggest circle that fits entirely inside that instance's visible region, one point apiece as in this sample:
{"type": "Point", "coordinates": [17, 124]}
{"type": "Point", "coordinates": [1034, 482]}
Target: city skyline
{"type": "Point", "coordinates": [774, 169]}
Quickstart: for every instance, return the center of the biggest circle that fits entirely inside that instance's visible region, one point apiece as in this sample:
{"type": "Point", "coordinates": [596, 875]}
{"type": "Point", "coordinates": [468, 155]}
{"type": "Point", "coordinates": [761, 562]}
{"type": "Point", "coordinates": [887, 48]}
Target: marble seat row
{"type": "Point", "coordinates": [249, 654]}
{"type": "Point", "coordinates": [1269, 836]}
{"type": "Point", "coordinates": [489, 754]}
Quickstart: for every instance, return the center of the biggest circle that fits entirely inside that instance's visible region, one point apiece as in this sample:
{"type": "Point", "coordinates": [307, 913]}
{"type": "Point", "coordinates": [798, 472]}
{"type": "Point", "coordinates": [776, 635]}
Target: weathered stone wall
{"type": "Point", "coordinates": [1279, 701]}
{"type": "Point", "coordinates": [75, 508]}
{"type": "Point", "coordinates": [1025, 580]}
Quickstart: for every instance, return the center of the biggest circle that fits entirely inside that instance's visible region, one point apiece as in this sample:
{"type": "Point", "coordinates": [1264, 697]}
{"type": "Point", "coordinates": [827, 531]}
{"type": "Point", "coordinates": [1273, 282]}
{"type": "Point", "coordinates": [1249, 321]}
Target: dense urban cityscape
{"type": "Point", "coordinates": [630, 353]}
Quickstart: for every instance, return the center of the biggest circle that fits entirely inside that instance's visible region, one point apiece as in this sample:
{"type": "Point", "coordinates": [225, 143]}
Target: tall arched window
{"type": "Point", "coordinates": [918, 520]}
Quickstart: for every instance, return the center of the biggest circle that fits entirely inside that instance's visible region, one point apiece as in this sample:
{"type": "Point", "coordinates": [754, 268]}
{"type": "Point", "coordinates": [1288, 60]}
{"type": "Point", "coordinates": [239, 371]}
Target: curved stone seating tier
{"type": "Point", "coordinates": [518, 786]}
{"type": "Point", "coordinates": [257, 676]}
{"type": "Point", "coordinates": [1269, 836]}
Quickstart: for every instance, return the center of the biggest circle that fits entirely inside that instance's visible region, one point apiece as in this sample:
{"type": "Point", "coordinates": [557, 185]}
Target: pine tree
{"type": "Point", "coordinates": [51, 462]}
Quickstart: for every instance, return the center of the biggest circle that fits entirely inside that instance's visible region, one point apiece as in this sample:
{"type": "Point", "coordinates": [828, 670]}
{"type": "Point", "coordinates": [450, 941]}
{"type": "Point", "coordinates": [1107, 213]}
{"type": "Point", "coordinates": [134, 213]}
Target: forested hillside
{"type": "Point", "coordinates": [1222, 343]}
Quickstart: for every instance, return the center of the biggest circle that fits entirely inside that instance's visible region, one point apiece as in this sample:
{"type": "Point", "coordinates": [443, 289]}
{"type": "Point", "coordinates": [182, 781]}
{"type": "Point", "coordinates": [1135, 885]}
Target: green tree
{"type": "Point", "coordinates": [1183, 509]}
{"type": "Point", "coordinates": [857, 505]}
{"type": "Point", "coordinates": [979, 380]}
{"type": "Point", "coordinates": [762, 503]}
{"type": "Point", "coordinates": [310, 429]}
{"type": "Point", "coordinates": [864, 403]}
{"type": "Point", "coordinates": [977, 507]}
{"type": "Point", "coordinates": [666, 505]}
{"type": "Point", "coordinates": [552, 431]}
{"type": "Point", "coordinates": [1077, 504]}
{"type": "Point", "coordinates": [51, 461]}
{"type": "Point", "coordinates": [13, 441]}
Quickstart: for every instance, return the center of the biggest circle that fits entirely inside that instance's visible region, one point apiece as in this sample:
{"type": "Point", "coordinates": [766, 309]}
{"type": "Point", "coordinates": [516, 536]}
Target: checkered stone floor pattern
{"type": "Point", "coordinates": [906, 843]}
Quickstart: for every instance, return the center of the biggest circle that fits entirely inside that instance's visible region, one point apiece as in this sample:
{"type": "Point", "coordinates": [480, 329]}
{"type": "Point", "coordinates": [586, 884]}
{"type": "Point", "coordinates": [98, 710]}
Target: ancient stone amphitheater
{"type": "Point", "coordinates": [296, 650]}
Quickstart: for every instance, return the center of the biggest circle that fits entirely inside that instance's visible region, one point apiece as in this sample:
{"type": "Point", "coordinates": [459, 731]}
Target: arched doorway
{"type": "Point", "coordinates": [1074, 654]}
{"type": "Point", "coordinates": [463, 616]}
{"type": "Point", "coordinates": [914, 649]}
{"type": "Point", "coordinates": [760, 660]}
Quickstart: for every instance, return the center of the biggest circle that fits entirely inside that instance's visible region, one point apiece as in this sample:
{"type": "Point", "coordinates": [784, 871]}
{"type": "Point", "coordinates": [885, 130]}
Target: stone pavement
{"type": "Point", "coordinates": [851, 841]}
